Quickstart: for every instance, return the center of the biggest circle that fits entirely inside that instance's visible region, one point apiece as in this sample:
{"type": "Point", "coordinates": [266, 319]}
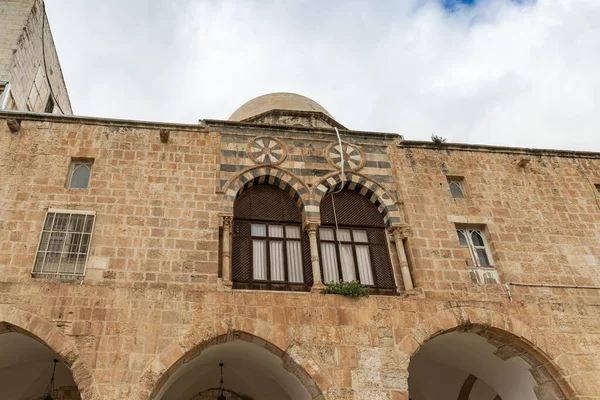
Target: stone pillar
{"type": "Point", "coordinates": [399, 233]}
{"type": "Point", "coordinates": [312, 228]}
{"type": "Point", "coordinates": [226, 250]}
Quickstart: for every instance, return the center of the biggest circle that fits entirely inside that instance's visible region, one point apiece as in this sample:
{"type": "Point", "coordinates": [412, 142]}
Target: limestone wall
{"type": "Point", "coordinates": [152, 290]}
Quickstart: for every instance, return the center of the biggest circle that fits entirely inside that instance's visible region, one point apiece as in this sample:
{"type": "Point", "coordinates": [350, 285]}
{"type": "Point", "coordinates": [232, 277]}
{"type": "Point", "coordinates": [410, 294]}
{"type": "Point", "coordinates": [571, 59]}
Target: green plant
{"type": "Point", "coordinates": [438, 140]}
{"type": "Point", "coordinates": [349, 289]}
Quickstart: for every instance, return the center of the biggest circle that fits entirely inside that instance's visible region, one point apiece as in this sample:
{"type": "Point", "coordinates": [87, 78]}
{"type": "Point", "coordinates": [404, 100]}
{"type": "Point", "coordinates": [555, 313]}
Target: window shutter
{"type": "Point", "coordinates": [273, 207]}
{"type": "Point", "coordinates": [351, 209]}
{"type": "Point", "coordinates": [381, 259]}
{"type": "Point", "coordinates": [241, 257]}
{"type": "Point", "coordinates": [266, 203]}
{"type": "Point", "coordinates": [308, 275]}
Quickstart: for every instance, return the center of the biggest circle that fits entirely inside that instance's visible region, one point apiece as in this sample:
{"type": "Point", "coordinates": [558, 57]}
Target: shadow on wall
{"type": "Point", "coordinates": [467, 366]}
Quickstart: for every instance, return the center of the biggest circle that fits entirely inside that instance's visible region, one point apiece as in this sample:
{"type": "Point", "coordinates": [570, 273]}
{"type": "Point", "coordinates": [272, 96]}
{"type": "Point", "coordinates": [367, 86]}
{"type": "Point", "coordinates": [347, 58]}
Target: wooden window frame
{"type": "Point", "coordinates": [268, 239]}
{"type": "Point", "coordinates": [353, 244]}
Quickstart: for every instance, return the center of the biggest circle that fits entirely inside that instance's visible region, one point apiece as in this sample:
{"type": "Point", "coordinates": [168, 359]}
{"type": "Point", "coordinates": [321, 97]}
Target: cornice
{"type": "Point", "coordinates": [77, 119]}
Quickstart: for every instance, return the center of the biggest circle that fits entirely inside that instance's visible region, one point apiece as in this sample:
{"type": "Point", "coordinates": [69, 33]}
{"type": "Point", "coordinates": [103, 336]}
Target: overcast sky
{"type": "Point", "coordinates": [516, 73]}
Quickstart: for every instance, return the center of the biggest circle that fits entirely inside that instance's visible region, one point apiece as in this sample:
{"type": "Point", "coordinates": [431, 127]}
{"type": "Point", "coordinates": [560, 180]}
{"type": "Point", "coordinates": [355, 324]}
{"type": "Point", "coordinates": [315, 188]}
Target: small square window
{"type": "Point", "coordinates": [80, 173]}
{"type": "Point", "coordinates": [64, 243]}
{"type": "Point", "coordinates": [457, 188]}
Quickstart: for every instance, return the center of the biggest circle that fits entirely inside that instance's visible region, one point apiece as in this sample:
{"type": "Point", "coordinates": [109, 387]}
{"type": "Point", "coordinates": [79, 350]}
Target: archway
{"type": "Point", "coordinates": [26, 368]}
{"type": "Point", "coordinates": [367, 187]}
{"type": "Point", "coordinates": [253, 370]}
{"type": "Point", "coordinates": [480, 364]}
{"type": "Point", "coordinates": [271, 175]}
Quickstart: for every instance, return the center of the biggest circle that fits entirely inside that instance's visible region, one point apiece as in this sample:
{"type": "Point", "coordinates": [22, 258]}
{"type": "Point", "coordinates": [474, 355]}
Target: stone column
{"type": "Point", "coordinates": [312, 228]}
{"type": "Point", "coordinates": [226, 250]}
{"type": "Point", "coordinates": [399, 233]}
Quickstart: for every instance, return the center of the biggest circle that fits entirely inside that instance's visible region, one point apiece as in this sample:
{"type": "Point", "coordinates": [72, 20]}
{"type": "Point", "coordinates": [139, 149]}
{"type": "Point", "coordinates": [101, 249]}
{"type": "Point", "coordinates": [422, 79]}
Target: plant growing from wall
{"type": "Point", "coordinates": [438, 140]}
{"type": "Point", "coordinates": [349, 289]}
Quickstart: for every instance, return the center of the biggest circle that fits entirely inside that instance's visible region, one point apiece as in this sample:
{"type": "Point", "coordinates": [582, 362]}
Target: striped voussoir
{"type": "Point", "coordinates": [366, 187]}
{"type": "Point", "coordinates": [265, 175]}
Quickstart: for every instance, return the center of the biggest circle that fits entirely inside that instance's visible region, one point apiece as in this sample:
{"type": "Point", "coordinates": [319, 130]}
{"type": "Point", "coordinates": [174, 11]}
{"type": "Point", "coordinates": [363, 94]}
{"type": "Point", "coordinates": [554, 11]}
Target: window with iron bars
{"type": "Point", "coordinates": [64, 243]}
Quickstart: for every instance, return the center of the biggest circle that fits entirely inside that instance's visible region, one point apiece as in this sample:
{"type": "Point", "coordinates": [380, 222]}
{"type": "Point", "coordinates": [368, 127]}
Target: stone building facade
{"type": "Point", "coordinates": [30, 75]}
{"type": "Point", "coordinates": [141, 255]}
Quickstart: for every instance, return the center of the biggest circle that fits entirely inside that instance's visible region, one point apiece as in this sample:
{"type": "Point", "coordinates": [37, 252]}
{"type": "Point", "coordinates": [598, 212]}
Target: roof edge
{"type": "Point", "coordinates": [499, 149]}
{"type": "Point", "coordinates": [204, 124]}
{"type": "Point", "coordinates": [74, 119]}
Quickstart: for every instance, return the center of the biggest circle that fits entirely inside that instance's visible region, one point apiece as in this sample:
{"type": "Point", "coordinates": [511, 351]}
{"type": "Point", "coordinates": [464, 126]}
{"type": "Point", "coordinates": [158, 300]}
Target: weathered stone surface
{"type": "Point", "coordinates": [152, 299]}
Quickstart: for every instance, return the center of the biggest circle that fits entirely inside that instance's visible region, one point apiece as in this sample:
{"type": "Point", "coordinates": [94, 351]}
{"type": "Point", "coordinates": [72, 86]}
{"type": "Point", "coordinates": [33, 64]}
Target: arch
{"type": "Point", "coordinates": [271, 175]}
{"type": "Point", "coordinates": [511, 336]}
{"type": "Point", "coordinates": [367, 187]}
{"type": "Point", "coordinates": [20, 321]}
{"type": "Point", "coordinates": [296, 359]}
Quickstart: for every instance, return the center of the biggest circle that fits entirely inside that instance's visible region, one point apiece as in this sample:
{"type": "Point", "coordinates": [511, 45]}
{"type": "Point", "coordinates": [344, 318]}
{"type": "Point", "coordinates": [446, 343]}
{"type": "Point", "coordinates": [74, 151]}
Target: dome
{"type": "Point", "coordinates": [276, 101]}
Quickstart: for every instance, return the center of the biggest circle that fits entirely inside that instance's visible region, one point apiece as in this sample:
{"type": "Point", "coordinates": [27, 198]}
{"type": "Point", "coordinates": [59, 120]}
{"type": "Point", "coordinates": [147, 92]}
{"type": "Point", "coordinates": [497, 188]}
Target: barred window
{"type": "Point", "coordinates": [65, 243]}
{"type": "Point", "coordinates": [474, 240]}
{"type": "Point", "coordinates": [79, 174]}
{"type": "Point", "coordinates": [270, 250]}
{"type": "Point", "coordinates": [456, 184]}
{"type": "Point", "coordinates": [356, 247]}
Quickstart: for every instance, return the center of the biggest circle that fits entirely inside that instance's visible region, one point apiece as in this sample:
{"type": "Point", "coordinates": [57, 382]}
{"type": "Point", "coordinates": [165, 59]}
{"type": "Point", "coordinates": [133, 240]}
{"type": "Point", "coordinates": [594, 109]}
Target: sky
{"type": "Point", "coordinates": [520, 73]}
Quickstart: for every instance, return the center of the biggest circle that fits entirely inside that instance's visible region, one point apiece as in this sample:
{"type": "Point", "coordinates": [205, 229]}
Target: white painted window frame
{"type": "Point", "coordinates": [87, 163]}
{"type": "Point", "coordinates": [459, 182]}
{"type": "Point", "coordinates": [466, 231]}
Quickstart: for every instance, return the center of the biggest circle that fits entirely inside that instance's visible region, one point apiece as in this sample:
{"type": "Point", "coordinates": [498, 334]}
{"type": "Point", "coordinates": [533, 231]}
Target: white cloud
{"type": "Point", "coordinates": [498, 73]}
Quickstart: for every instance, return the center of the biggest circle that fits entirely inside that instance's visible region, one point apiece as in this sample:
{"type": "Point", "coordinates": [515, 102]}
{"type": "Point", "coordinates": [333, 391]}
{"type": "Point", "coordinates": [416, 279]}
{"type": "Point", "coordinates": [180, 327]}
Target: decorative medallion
{"type": "Point", "coordinates": [266, 150]}
{"type": "Point", "coordinates": [352, 156]}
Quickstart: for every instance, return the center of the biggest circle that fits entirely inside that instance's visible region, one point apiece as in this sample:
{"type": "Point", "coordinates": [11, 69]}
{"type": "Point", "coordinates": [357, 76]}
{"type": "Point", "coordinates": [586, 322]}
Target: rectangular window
{"type": "Point", "coordinates": [276, 253]}
{"type": "Point", "coordinates": [482, 270]}
{"type": "Point", "coordinates": [474, 240]}
{"type": "Point", "coordinates": [65, 243]}
{"type": "Point", "coordinates": [456, 185]}
{"type": "Point", "coordinates": [351, 247]}
{"type": "Point", "coordinates": [80, 172]}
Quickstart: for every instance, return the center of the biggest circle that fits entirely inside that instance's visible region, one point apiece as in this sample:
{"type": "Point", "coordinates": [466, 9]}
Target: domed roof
{"type": "Point", "coordinates": [276, 101]}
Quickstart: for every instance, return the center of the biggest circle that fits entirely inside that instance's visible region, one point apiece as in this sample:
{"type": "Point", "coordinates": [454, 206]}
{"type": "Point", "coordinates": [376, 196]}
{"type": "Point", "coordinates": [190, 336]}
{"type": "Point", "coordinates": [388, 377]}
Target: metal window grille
{"type": "Point", "coordinates": [474, 240]}
{"type": "Point", "coordinates": [64, 243]}
{"type": "Point", "coordinates": [79, 174]}
{"type": "Point", "coordinates": [456, 187]}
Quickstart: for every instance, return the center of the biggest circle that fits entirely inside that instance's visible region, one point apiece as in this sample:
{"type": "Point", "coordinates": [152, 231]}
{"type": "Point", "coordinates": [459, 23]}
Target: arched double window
{"type": "Point", "coordinates": [270, 249]}
{"type": "Point", "coordinates": [357, 248]}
